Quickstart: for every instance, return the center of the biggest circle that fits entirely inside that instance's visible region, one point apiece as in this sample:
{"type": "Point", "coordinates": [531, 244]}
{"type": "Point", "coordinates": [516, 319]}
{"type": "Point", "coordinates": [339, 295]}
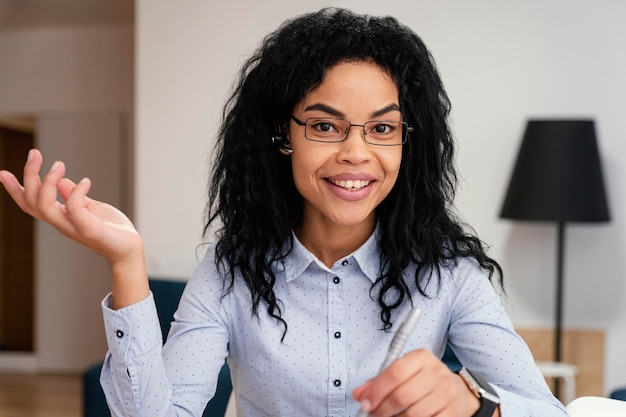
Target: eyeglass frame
{"type": "Point", "coordinates": [405, 133]}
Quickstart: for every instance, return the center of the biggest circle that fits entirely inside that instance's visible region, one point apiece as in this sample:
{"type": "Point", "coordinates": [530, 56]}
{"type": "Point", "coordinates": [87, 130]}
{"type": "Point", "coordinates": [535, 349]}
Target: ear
{"type": "Point", "coordinates": [282, 141]}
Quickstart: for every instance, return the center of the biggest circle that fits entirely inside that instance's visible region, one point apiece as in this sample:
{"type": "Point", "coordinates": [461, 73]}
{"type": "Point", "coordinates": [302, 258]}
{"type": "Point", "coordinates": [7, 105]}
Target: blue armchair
{"type": "Point", "coordinates": [618, 394]}
{"type": "Point", "coordinates": [166, 297]}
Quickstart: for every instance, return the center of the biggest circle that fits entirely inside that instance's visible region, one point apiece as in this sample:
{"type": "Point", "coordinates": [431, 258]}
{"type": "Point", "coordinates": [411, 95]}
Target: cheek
{"type": "Point", "coordinates": [391, 164]}
{"type": "Point", "coordinates": [391, 168]}
{"type": "Point", "coordinates": [303, 171]}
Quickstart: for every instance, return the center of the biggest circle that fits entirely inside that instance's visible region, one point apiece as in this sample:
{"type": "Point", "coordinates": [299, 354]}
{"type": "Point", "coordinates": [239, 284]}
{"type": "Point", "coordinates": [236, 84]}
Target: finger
{"type": "Point", "coordinates": [440, 398]}
{"type": "Point", "coordinates": [413, 393]}
{"type": "Point", "coordinates": [398, 372]}
{"type": "Point", "coordinates": [373, 395]}
{"type": "Point", "coordinates": [47, 203]}
{"type": "Point", "coordinates": [31, 179]}
{"type": "Point", "coordinates": [10, 183]}
{"type": "Point", "coordinates": [65, 187]}
{"type": "Point", "coordinates": [357, 393]}
{"type": "Point", "coordinates": [56, 213]}
{"type": "Point", "coordinates": [13, 187]}
{"type": "Point", "coordinates": [76, 207]}
{"type": "Point", "coordinates": [427, 392]}
{"type": "Point", "coordinates": [428, 406]}
{"type": "Point", "coordinates": [394, 397]}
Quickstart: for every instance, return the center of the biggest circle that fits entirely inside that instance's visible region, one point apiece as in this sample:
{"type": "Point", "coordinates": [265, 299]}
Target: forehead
{"type": "Point", "coordinates": [358, 86]}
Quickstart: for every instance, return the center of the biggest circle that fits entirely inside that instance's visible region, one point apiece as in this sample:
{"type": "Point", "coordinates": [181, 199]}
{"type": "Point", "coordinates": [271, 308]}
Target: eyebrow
{"type": "Point", "coordinates": [334, 112]}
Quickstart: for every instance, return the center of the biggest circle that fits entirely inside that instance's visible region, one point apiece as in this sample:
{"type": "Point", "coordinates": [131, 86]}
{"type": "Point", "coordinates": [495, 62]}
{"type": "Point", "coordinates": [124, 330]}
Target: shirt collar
{"type": "Point", "coordinates": [366, 256]}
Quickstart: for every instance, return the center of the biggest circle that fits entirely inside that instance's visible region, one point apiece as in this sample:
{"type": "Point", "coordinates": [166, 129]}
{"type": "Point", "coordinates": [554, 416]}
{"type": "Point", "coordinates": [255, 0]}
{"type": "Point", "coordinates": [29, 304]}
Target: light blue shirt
{"type": "Point", "coordinates": [334, 342]}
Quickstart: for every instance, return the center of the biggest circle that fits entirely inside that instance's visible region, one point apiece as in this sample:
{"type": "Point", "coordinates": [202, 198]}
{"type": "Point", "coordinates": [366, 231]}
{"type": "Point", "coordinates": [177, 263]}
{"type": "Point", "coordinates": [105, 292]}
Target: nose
{"type": "Point", "coordinates": [361, 129]}
{"type": "Point", "coordinates": [354, 149]}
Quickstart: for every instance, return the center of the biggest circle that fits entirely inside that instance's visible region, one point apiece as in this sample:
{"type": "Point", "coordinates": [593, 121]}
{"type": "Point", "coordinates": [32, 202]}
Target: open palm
{"type": "Point", "coordinates": [96, 225]}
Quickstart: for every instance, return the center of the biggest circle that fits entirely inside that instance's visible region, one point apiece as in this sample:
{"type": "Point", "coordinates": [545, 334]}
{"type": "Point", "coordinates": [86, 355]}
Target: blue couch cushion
{"type": "Point", "coordinates": [619, 394]}
{"type": "Point", "coordinates": [166, 297]}
{"type": "Point", "coordinates": [166, 293]}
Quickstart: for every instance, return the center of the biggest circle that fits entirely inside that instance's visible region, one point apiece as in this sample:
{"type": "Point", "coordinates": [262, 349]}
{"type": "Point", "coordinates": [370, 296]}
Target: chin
{"type": "Point", "coordinates": [355, 221]}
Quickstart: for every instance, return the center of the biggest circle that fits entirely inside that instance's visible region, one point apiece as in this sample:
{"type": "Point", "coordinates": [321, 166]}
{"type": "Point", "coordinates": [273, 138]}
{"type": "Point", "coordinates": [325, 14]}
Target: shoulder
{"type": "Point", "coordinates": [208, 293]}
{"type": "Point", "coordinates": [461, 284]}
{"type": "Point", "coordinates": [452, 275]}
{"type": "Point", "coordinates": [469, 288]}
{"type": "Point", "coordinates": [208, 283]}
{"type": "Point", "coordinates": [464, 273]}
{"type": "Point", "coordinates": [217, 279]}
{"type": "Point", "coordinates": [211, 273]}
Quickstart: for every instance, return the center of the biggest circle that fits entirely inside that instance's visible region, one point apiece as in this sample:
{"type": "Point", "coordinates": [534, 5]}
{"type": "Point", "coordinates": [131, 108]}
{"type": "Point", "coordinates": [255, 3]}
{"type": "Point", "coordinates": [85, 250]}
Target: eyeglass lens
{"type": "Point", "coordinates": [375, 132]}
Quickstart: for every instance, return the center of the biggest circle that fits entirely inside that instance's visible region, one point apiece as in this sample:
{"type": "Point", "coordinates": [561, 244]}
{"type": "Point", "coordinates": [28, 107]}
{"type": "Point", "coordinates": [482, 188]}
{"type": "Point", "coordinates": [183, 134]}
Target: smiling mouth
{"type": "Point", "coordinates": [351, 185]}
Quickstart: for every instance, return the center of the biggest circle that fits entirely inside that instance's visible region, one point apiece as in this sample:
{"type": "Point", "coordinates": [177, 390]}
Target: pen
{"type": "Point", "coordinates": [397, 343]}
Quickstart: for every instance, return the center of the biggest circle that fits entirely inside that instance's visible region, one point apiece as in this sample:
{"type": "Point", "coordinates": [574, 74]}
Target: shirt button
{"type": "Point", "coordinates": [337, 335]}
{"type": "Point", "coordinates": [336, 280]}
{"type": "Point", "coordinates": [337, 382]}
{"type": "Point", "coordinates": [119, 333]}
{"type": "Point", "coordinates": [345, 262]}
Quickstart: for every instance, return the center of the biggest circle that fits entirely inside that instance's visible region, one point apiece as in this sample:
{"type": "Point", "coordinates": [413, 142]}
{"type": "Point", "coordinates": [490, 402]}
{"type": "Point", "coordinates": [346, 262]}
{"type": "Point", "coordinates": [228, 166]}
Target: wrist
{"type": "Point", "coordinates": [129, 281]}
{"type": "Point", "coordinates": [472, 402]}
{"type": "Point", "coordinates": [482, 391]}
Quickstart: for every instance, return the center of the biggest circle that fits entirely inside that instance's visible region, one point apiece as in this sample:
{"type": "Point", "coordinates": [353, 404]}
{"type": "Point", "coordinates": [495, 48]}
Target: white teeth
{"type": "Point", "coordinates": [353, 185]}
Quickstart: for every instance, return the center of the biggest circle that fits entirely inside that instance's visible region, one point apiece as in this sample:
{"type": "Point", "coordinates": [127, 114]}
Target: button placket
{"type": "Point", "coordinates": [337, 344]}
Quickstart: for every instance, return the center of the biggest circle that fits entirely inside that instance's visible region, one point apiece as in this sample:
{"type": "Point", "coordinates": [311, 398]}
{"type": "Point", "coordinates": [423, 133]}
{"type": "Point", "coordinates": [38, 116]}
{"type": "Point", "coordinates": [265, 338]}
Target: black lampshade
{"type": "Point", "coordinates": [557, 175]}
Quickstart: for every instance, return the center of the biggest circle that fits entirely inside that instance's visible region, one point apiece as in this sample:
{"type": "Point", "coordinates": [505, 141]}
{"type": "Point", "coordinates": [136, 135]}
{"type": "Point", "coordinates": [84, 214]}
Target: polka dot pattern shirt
{"type": "Point", "coordinates": [333, 344]}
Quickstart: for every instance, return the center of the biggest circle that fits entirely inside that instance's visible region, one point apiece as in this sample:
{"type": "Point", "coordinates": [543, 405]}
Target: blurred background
{"type": "Point", "coordinates": [131, 93]}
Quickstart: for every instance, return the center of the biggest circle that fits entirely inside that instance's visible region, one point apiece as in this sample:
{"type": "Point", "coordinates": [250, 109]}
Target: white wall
{"type": "Point", "coordinates": [77, 83]}
{"type": "Point", "coordinates": [71, 280]}
{"type": "Point", "coordinates": [502, 62]}
{"type": "Point", "coordinates": [187, 58]}
{"type": "Point", "coordinates": [66, 69]}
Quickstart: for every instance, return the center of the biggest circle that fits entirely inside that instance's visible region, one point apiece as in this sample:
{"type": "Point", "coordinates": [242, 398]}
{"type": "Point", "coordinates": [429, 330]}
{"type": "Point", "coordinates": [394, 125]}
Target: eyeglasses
{"type": "Point", "coordinates": [375, 132]}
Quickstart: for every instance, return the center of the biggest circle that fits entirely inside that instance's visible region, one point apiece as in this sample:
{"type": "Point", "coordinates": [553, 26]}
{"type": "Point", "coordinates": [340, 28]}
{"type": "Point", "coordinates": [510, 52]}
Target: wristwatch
{"type": "Point", "coordinates": [488, 397]}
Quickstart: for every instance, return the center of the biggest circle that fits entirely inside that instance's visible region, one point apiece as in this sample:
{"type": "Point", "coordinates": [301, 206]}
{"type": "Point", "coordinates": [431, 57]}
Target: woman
{"type": "Point", "coordinates": [332, 187]}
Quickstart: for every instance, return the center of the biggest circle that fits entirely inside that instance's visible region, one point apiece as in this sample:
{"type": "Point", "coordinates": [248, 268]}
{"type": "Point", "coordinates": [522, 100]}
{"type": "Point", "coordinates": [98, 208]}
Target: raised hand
{"type": "Point", "coordinates": [96, 225]}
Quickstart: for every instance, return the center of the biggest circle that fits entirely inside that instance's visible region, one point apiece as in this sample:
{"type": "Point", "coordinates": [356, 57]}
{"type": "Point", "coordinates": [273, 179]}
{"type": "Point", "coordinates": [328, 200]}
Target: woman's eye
{"type": "Point", "coordinates": [324, 127]}
{"type": "Point", "coordinates": [382, 128]}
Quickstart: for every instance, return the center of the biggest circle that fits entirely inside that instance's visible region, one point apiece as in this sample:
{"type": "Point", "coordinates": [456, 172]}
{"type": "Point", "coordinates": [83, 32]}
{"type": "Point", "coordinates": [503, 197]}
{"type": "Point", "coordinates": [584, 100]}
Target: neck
{"type": "Point", "coordinates": [331, 242]}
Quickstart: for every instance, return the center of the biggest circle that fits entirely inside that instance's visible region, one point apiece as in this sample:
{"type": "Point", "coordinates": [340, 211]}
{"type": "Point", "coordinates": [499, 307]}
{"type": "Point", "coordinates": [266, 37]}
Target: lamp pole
{"type": "Point", "coordinates": [559, 298]}
{"type": "Point", "coordinates": [557, 178]}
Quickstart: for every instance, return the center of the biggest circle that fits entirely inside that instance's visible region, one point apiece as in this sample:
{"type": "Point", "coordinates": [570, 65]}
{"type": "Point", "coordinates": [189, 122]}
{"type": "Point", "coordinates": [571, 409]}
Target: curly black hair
{"type": "Point", "coordinates": [252, 196]}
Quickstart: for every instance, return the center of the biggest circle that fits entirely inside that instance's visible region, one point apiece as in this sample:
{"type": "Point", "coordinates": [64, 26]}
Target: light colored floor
{"type": "Point", "coordinates": [25, 395]}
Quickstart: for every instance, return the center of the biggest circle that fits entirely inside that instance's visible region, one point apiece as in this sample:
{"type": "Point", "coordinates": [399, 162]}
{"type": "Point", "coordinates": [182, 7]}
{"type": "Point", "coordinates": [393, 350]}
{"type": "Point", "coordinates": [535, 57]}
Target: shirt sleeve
{"type": "Point", "coordinates": [133, 377]}
{"type": "Point", "coordinates": [140, 376]}
{"type": "Point", "coordinates": [483, 338]}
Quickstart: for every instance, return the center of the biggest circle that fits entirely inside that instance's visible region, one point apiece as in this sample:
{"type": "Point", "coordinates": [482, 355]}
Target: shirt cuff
{"type": "Point", "coordinates": [131, 331]}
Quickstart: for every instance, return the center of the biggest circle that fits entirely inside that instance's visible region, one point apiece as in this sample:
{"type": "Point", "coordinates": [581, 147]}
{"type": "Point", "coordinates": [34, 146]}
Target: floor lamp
{"type": "Point", "coordinates": [557, 178]}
